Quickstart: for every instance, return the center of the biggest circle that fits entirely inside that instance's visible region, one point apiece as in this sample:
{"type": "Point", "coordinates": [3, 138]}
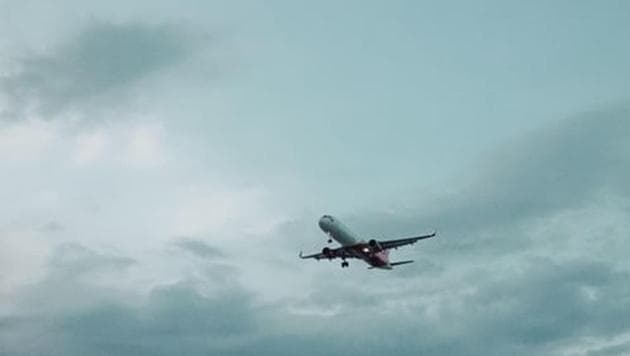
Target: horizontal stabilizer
{"type": "Point", "coordinates": [400, 263]}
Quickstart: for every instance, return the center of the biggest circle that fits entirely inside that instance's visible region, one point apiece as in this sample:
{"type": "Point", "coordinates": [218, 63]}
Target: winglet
{"type": "Point", "coordinates": [300, 255]}
{"type": "Point", "coordinates": [432, 234]}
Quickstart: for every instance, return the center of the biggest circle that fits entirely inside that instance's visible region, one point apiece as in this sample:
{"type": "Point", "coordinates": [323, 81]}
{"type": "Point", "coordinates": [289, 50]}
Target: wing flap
{"type": "Point", "coordinates": [400, 263]}
{"type": "Point", "coordinates": [332, 253]}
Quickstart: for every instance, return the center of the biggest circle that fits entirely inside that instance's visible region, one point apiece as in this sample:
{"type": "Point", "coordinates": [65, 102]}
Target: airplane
{"type": "Point", "coordinates": [374, 252]}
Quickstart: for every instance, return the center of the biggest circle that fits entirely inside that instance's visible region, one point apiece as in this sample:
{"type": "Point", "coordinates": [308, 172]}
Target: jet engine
{"type": "Point", "coordinates": [326, 251]}
{"type": "Point", "coordinates": [375, 246]}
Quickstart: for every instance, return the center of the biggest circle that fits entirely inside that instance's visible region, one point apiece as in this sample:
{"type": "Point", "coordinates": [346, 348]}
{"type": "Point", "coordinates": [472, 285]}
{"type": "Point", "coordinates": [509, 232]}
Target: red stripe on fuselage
{"type": "Point", "coordinates": [375, 259]}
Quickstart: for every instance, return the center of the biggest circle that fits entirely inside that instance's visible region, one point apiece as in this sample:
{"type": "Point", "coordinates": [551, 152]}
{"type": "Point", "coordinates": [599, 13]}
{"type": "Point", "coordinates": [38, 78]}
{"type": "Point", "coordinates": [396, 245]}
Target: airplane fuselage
{"type": "Point", "coordinates": [360, 248]}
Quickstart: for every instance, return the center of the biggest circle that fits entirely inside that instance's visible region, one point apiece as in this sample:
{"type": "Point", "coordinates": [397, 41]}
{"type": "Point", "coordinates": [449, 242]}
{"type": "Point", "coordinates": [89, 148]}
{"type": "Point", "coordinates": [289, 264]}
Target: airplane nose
{"type": "Point", "coordinates": [324, 222]}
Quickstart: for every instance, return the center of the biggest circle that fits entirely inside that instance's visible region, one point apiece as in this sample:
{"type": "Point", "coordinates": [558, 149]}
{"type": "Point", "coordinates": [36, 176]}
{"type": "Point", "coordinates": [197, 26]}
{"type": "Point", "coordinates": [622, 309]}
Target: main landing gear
{"type": "Point", "coordinates": [344, 264]}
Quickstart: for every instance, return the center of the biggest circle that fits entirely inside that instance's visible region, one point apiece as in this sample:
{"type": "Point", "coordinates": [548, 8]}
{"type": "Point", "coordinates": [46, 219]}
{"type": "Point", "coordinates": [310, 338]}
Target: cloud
{"type": "Point", "coordinates": [22, 258]}
{"type": "Point", "coordinates": [26, 141]}
{"type": "Point", "coordinates": [544, 305]}
{"type": "Point", "coordinates": [75, 276]}
{"type": "Point", "coordinates": [543, 310]}
{"type": "Point", "coordinates": [102, 59]}
{"type": "Point", "coordinates": [91, 146]}
{"type": "Point", "coordinates": [72, 260]}
{"type": "Point", "coordinates": [528, 258]}
{"type": "Point", "coordinates": [531, 259]}
{"type": "Point", "coordinates": [199, 248]}
{"type": "Point", "coordinates": [539, 307]}
{"type": "Point", "coordinates": [170, 315]}
{"type": "Point", "coordinates": [565, 166]}
{"type": "Point", "coordinates": [53, 227]}
{"type": "Point", "coordinates": [173, 319]}
{"type": "Point", "coordinates": [606, 346]}
{"type": "Point", "coordinates": [70, 312]}
{"type": "Point", "coordinates": [144, 148]}
{"type": "Point", "coordinates": [202, 208]}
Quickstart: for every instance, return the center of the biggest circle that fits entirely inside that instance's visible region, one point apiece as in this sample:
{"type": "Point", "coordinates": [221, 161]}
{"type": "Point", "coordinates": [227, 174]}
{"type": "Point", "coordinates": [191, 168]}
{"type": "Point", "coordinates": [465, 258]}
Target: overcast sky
{"type": "Point", "coordinates": [164, 162]}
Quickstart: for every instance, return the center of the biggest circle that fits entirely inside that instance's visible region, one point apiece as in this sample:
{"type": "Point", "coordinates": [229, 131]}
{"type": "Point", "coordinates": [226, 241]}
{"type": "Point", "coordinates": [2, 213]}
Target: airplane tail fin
{"type": "Point", "coordinates": [400, 263]}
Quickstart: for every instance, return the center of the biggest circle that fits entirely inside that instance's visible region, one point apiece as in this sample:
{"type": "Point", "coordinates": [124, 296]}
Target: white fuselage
{"type": "Point", "coordinates": [338, 231]}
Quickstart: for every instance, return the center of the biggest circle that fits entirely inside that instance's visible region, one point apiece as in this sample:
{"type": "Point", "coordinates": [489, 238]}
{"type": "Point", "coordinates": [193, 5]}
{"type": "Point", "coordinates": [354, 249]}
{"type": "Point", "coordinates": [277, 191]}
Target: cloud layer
{"type": "Point", "coordinates": [145, 234]}
{"type": "Point", "coordinates": [103, 59]}
{"type": "Point", "coordinates": [512, 273]}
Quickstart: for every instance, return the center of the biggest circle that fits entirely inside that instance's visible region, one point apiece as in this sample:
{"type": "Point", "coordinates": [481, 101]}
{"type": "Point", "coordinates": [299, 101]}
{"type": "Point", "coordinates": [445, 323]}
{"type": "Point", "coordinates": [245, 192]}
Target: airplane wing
{"type": "Point", "coordinates": [329, 253]}
{"type": "Point", "coordinates": [387, 244]}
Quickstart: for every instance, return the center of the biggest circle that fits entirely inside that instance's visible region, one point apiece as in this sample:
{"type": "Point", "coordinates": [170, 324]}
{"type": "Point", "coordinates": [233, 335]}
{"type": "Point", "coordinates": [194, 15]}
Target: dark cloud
{"type": "Point", "coordinates": [101, 59]}
{"type": "Point", "coordinates": [73, 259]}
{"type": "Point", "coordinates": [545, 304]}
{"type": "Point", "coordinates": [620, 349]}
{"type": "Point", "coordinates": [550, 170]}
{"type": "Point", "coordinates": [491, 283]}
{"type": "Point", "coordinates": [558, 167]}
{"type": "Point", "coordinates": [518, 298]}
{"type": "Point", "coordinates": [53, 227]}
{"type": "Point", "coordinates": [199, 248]}
{"type": "Point", "coordinates": [174, 318]}
{"type": "Point", "coordinates": [72, 279]}
{"type": "Point", "coordinates": [69, 312]}
{"type": "Point", "coordinates": [536, 307]}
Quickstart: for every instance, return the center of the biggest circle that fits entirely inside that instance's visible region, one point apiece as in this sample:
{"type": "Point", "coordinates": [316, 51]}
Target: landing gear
{"type": "Point", "coordinates": [344, 264]}
{"type": "Point", "coordinates": [329, 241]}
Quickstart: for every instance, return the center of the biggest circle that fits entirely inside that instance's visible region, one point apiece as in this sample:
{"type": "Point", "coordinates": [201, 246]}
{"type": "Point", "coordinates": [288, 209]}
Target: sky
{"type": "Point", "coordinates": [163, 163]}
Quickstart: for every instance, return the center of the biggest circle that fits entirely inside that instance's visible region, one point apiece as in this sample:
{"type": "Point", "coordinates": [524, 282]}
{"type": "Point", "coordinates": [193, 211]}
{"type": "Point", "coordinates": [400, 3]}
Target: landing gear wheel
{"type": "Point", "coordinates": [344, 264]}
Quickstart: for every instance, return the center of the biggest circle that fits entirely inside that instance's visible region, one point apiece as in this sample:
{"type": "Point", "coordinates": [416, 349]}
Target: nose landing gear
{"type": "Point", "coordinates": [344, 264]}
